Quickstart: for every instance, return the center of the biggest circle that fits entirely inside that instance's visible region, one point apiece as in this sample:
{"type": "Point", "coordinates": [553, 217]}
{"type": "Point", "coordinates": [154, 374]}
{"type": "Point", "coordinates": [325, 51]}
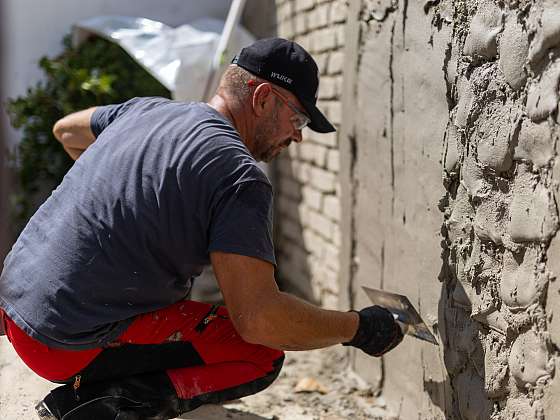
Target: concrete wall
{"type": "Point", "coordinates": [308, 190]}
{"type": "Point", "coordinates": [395, 115]}
{"type": "Point", "coordinates": [455, 106]}
{"type": "Point", "coordinates": [449, 187]}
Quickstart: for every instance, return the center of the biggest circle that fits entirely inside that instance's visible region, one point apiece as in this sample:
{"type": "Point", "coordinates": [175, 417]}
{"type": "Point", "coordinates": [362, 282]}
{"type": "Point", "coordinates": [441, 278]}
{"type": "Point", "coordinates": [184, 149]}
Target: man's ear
{"type": "Point", "coordinates": [262, 99]}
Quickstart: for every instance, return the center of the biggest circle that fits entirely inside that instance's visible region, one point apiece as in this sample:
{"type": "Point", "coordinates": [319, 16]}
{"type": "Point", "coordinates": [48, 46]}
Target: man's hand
{"type": "Point", "coordinates": [74, 132]}
{"type": "Point", "coordinates": [378, 332]}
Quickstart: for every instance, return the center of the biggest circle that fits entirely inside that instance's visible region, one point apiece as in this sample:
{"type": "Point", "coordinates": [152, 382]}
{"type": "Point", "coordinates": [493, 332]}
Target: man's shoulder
{"type": "Point", "coordinates": [146, 103]}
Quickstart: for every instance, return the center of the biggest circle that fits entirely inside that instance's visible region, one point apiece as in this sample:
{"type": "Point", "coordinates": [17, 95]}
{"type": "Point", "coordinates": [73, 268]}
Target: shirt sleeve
{"type": "Point", "coordinates": [105, 115]}
{"type": "Point", "coordinates": [242, 222]}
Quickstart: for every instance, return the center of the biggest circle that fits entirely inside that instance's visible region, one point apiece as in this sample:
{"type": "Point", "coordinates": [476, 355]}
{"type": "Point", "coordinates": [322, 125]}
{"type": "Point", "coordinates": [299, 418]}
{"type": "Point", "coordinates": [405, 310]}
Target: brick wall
{"type": "Point", "coordinates": [308, 191]}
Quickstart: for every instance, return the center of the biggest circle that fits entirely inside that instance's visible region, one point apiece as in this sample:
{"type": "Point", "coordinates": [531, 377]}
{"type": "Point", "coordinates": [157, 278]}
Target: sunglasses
{"type": "Point", "coordinates": [299, 119]}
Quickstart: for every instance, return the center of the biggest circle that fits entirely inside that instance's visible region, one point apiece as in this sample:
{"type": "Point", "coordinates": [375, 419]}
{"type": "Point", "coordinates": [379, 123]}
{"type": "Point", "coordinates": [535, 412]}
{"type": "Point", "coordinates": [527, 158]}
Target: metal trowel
{"type": "Point", "coordinates": [403, 311]}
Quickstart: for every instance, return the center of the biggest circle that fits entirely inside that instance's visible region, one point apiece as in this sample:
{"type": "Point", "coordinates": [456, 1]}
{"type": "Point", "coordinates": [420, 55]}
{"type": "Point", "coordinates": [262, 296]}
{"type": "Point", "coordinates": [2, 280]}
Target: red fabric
{"type": "Point", "coordinates": [51, 364]}
{"type": "Point", "coordinates": [229, 361]}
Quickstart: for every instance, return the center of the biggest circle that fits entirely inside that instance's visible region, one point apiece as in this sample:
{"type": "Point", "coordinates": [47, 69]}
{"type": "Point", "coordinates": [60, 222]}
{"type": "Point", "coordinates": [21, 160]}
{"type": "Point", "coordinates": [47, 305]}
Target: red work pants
{"type": "Point", "coordinates": [194, 343]}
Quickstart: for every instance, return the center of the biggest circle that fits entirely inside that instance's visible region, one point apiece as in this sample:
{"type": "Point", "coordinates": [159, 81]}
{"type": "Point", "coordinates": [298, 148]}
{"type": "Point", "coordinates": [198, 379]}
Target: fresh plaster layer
{"type": "Point", "coordinates": [497, 311]}
{"type": "Point", "coordinates": [465, 103]}
{"type": "Point", "coordinates": [473, 178]}
{"type": "Point", "coordinates": [494, 132]}
{"type": "Point", "coordinates": [484, 28]}
{"type": "Point", "coordinates": [495, 367]}
{"type": "Point", "coordinates": [520, 285]}
{"type": "Point", "coordinates": [528, 360]}
{"type": "Point", "coordinates": [514, 48]}
{"type": "Point", "coordinates": [542, 97]}
{"type": "Point", "coordinates": [451, 158]}
{"type": "Point", "coordinates": [491, 218]}
{"type": "Point", "coordinates": [535, 143]}
{"type": "Point", "coordinates": [459, 223]}
{"type": "Point", "coordinates": [547, 34]}
{"type": "Point", "coordinates": [534, 216]}
{"type": "Point", "coordinates": [503, 106]}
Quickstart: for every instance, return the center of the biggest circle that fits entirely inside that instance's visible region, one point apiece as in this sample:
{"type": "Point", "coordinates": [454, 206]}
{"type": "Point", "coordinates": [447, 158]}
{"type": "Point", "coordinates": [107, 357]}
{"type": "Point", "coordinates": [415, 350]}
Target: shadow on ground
{"type": "Point", "coordinates": [217, 412]}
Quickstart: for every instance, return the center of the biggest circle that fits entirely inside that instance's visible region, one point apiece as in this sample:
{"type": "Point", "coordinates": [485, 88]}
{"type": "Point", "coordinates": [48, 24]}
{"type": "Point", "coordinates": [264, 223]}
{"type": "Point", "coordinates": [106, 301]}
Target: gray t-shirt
{"type": "Point", "coordinates": [133, 222]}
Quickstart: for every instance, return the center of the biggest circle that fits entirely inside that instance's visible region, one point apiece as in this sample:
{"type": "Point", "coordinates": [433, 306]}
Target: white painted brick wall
{"type": "Point", "coordinates": [331, 207]}
{"type": "Point", "coordinates": [330, 300]}
{"type": "Point", "coordinates": [307, 184]}
{"type": "Point", "coordinates": [335, 112]}
{"type": "Point", "coordinates": [336, 62]}
{"type": "Point", "coordinates": [325, 39]}
{"type": "Point", "coordinates": [319, 17]}
{"type": "Point", "coordinates": [322, 61]}
{"type": "Point", "coordinates": [321, 225]}
{"type": "Point", "coordinates": [323, 180]}
{"type": "Point", "coordinates": [338, 12]}
{"type": "Point", "coordinates": [327, 139]}
{"type": "Point", "coordinates": [312, 197]}
{"type": "Point", "coordinates": [300, 24]}
{"type": "Point", "coordinates": [314, 153]}
{"type": "Point", "coordinates": [287, 28]}
{"type": "Point", "coordinates": [340, 35]}
{"type": "Point", "coordinates": [302, 5]}
{"type": "Point", "coordinates": [303, 172]}
{"type": "Point", "coordinates": [284, 11]}
{"type": "Point", "coordinates": [333, 161]}
{"type": "Point", "coordinates": [328, 88]}
{"type": "Point", "coordinates": [337, 236]}
{"type": "Point", "coordinates": [313, 242]}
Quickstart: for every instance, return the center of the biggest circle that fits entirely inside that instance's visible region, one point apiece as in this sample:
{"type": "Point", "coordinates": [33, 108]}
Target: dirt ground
{"type": "Point", "coordinates": [313, 385]}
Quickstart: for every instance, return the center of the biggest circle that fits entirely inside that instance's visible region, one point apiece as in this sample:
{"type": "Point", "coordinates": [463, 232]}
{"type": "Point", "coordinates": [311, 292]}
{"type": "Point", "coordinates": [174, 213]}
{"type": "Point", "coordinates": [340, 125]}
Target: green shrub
{"type": "Point", "coordinates": [96, 73]}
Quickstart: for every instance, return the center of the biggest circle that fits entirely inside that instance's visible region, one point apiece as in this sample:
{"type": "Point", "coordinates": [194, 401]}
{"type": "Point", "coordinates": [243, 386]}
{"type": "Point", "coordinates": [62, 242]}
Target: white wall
{"type": "Point", "coordinates": [34, 28]}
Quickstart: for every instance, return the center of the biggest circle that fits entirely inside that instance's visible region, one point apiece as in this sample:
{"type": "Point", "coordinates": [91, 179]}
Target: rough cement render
{"type": "Point", "coordinates": [500, 209]}
{"type": "Point", "coordinates": [478, 81]}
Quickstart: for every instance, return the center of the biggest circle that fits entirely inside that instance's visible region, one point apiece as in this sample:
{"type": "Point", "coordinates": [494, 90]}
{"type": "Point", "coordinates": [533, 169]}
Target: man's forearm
{"type": "Point", "coordinates": [289, 323]}
{"type": "Point", "coordinates": [262, 314]}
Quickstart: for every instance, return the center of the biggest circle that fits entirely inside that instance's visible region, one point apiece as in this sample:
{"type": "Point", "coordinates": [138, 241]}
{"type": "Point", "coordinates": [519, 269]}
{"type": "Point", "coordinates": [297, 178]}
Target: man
{"type": "Point", "coordinates": [94, 291]}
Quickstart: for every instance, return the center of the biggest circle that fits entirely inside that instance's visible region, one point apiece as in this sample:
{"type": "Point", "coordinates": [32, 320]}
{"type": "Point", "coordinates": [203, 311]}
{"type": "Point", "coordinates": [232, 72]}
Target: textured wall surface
{"type": "Point", "coordinates": [444, 175]}
{"type": "Point", "coordinates": [453, 105]}
{"type": "Point", "coordinates": [307, 193]}
{"type": "Point", "coordinates": [500, 209]}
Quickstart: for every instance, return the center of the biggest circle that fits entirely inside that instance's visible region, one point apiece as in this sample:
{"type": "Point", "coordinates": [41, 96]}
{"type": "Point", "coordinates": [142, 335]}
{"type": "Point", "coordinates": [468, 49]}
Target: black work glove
{"type": "Point", "coordinates": [377, 333]}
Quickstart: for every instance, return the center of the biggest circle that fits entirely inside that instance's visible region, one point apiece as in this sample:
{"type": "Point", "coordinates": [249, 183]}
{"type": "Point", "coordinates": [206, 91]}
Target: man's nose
{"type": "Point", "coordinates": [298, 138]}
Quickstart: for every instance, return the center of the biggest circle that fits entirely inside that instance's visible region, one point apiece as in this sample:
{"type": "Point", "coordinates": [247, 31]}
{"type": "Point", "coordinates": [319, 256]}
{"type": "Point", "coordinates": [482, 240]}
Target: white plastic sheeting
{"type": "Point", "coordinates": [180, 58]}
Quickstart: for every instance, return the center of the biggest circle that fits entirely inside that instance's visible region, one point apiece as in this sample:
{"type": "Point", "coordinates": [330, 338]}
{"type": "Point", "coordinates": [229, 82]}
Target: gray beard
{"type": "Point", "coordinates": [263, 150]}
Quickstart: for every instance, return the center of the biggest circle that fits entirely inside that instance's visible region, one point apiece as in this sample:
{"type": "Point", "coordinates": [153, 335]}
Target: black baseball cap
{"type": "Point", "coordinates": [289, 66]}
